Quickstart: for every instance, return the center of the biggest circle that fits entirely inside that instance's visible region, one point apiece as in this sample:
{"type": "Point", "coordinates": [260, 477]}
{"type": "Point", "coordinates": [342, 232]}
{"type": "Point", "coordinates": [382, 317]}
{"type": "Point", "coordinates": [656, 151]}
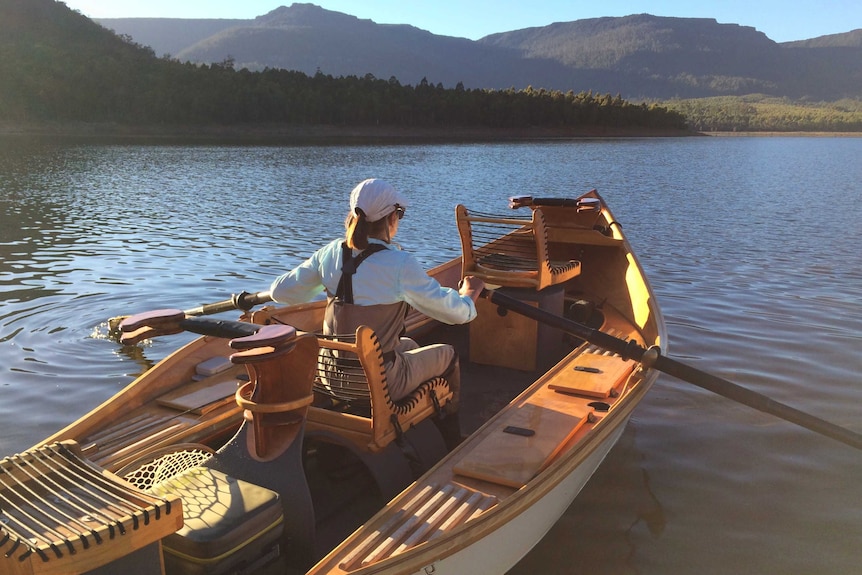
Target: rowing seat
{"type": "Point", "coordinates": [353, 408]}
{"type": "Point", "coordinates": [352, 384]}
{"type": "Point", "coordinates": [510, 251]}
{"type": "Point", "coordinates": [62, 514]}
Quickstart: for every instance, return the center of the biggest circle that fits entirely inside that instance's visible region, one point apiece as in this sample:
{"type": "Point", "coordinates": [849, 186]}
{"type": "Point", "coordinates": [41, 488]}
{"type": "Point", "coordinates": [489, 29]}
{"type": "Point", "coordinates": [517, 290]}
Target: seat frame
{"type": "Point", "coordinates": [388, 419]}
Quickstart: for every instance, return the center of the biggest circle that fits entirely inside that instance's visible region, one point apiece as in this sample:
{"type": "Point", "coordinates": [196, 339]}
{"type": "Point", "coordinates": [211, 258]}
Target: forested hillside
{"type": "Point", "coordinates": [757, 113]}
{"type": "Point", "coordinates": [59, 67]}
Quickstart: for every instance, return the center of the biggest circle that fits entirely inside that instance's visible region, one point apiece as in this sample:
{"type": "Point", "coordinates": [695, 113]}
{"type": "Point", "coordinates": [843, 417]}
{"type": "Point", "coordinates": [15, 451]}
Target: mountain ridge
{"type": "Point", "coordinates": [639, 56]}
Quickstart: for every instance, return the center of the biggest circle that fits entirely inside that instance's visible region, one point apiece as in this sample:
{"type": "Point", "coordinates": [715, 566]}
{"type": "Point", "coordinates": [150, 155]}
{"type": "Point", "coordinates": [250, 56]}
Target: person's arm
{"type": "Point", "coordinates": [426, 295]}
{"type": "Point", "coordinates": [301, 284]}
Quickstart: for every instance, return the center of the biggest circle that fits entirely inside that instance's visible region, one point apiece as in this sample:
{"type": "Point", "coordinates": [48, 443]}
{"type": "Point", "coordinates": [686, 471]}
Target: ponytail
{"type": "Point", "coordinates": [359, 229]}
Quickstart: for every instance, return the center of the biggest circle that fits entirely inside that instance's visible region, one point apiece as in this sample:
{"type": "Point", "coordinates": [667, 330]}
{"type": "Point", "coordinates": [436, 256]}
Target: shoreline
{"type": "Point", "coordinates": [774, 134]}
{"type": "Point", "coordinates": [345, 135]}
{"type": "Point", "coordinates": [321, 134]}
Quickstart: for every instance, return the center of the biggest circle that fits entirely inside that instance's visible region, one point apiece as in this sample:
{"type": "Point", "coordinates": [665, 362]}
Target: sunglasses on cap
{"type": "Point", "coordinates": [400, 211]}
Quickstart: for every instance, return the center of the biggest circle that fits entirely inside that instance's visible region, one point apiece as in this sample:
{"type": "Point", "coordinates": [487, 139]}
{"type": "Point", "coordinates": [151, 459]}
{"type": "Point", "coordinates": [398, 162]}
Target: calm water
{"type": "Point", "coordinates": [752, 245]}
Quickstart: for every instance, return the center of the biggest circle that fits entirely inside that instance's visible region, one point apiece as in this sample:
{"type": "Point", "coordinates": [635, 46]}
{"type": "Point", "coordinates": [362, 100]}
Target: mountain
{"type": "Point", "coordinates": [639, 56]}
{"type": "Point", "coordinates": [307, 38]}
{"type": "Point", "coordinates": [662, 56]}
{"type": "Point", "coordinates": [852, 39]}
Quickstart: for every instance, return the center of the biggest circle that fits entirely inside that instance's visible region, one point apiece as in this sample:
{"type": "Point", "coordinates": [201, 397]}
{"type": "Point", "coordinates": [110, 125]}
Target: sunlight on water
{"type": "Point", "coordinates": [751, 245]}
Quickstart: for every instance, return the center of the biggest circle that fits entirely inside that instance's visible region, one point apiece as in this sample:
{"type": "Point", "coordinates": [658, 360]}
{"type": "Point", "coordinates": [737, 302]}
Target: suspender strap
{"type": "Point", "coordinates": [344, 292]}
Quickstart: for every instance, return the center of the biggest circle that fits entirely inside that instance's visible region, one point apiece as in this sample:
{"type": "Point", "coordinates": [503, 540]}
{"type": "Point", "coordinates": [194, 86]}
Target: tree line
{"type": "Point", "coordinates": [190, 94]}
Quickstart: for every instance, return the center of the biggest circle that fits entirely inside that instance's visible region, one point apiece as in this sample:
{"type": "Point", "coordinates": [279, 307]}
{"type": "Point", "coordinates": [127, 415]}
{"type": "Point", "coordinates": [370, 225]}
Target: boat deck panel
{"type": "Point", "coordinates": [204, 395]}
{"type": "Point", "coordinates": [193, 413]}
{"type": "Point", "coordinates": [505, 456]}
{"type": "Point", "coordinates": [594, 375]}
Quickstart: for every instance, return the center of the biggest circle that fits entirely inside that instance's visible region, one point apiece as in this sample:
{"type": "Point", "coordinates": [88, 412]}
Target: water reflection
{"type": "Point", "coordinates": [751, 245]}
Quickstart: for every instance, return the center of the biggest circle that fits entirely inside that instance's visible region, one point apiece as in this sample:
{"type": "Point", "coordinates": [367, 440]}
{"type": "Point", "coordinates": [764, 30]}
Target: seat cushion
{"type": "Point", "coordinates": [221, 514]}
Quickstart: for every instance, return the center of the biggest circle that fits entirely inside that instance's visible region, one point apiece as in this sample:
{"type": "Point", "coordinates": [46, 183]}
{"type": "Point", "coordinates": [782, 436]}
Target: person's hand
{"type": "Point", "coordinates": [471, 286]}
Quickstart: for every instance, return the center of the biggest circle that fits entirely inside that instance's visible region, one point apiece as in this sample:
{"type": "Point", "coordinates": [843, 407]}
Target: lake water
{"type": "Point", "coordinates": [753, 246]}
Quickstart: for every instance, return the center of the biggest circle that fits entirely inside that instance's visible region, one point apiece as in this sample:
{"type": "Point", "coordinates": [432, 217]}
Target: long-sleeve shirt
{"type": "Point", "coordinates": [389, 276]}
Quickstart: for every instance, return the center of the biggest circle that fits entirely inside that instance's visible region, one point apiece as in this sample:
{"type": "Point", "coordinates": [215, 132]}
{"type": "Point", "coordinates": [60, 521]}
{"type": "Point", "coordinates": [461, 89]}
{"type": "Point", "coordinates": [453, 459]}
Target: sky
{"type": "Point", "coordinates": [780, 20]}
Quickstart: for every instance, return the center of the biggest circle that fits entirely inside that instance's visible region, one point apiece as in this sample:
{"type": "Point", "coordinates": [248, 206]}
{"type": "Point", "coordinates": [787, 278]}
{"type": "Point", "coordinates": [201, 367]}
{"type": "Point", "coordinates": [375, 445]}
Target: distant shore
{"type": "Point", "coordinates": [345, 135]}
{"type": "Point", "coordinates": [786, 134]}
{"type": "Point", "coordinates": [283, 134]}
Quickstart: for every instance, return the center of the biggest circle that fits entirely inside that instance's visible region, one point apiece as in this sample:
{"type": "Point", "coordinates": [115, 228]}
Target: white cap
{"type": "Point", "coordinates": [376, 198]}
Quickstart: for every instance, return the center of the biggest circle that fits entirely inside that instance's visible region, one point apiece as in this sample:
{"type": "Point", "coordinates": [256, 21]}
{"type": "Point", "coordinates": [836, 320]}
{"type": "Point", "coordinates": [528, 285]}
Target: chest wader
{"type": "Point", "coordinates": [342, 317]}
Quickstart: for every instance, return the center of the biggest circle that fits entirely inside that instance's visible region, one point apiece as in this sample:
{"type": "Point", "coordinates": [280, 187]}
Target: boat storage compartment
{"type": "Point", "coordinates": [513, 340]}
{"type": "Point", "coordinates": [229, 524]}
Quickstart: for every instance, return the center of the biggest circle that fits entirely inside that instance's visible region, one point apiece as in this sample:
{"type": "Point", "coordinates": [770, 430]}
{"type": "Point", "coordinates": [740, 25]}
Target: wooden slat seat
{"type": "Point", "coordinates": [510, 251]}
{"type": "Point", "coordinates": [61, 514]}
{"type": "Point", "coordinates": [352, 380]}
{"type": "Point", "coordinates": [424, 517]}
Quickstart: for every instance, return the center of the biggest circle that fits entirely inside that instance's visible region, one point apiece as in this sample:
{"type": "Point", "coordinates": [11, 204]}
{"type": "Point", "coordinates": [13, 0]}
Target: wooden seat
{"type": "Point", "coordinates": [510, 251]}
{"type": "Point", "coordinates": [351, 379]}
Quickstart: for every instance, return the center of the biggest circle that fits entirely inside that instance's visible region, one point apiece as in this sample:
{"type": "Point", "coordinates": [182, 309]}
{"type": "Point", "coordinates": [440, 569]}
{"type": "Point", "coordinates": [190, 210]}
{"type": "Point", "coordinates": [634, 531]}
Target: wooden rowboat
{"type": "Point", "coordinates": [285, 454]}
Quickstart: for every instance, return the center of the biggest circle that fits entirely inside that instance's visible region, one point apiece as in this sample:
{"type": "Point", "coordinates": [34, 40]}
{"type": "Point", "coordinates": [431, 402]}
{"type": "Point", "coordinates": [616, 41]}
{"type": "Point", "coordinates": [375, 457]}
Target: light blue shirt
{"type": "Point", "coordinates": [389, 276]}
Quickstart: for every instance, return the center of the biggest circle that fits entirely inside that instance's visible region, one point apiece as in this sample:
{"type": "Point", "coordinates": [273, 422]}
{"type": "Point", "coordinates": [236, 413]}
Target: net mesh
{"type": "Point", "coordinates": [164, 467]}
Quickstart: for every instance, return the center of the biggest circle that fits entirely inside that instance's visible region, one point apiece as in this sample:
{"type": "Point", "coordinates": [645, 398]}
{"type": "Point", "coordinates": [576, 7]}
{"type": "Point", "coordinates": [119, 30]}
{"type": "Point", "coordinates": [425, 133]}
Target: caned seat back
{"type": "Point", "coordinates": [510, 251]}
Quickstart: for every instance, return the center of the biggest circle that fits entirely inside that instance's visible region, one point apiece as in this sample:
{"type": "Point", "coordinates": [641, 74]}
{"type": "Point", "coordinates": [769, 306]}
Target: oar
{"type": "Point", "coordinates": [652, 358]}
{"type": "Point", "coordinates": [243, 300]}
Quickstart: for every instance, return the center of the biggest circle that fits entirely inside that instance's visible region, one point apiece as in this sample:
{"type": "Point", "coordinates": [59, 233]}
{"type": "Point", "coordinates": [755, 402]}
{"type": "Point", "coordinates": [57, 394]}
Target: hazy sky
{"type": "Point", "coordinates": [780, 20]}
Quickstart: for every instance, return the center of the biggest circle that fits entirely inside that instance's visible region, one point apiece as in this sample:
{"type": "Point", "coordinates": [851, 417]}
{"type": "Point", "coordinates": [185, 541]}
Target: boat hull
{"type": "Point", "coordinates": [507, 544]}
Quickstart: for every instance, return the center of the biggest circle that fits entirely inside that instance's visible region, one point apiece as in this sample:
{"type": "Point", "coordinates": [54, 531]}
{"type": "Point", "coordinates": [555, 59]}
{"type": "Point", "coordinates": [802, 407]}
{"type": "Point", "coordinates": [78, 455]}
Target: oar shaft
{"type": "Point", "coordinates": [627, 349]}
{"type": "Point", "coordinates": [631, 349]}
{"type": "Point", "coordinates": [244, 301]}
{"type": "Point", "coordinates": [757, 401]}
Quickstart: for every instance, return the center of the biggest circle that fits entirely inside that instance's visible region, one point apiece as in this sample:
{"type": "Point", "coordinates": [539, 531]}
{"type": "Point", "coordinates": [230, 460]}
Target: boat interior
{"type": "Point", "coordinates": [301, 428]}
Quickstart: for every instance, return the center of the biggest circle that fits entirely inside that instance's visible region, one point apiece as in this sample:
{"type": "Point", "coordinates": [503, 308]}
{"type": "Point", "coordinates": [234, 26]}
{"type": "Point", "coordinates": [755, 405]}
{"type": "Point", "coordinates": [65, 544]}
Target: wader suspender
{"type": "Point", "coordinates": [344, 292]}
